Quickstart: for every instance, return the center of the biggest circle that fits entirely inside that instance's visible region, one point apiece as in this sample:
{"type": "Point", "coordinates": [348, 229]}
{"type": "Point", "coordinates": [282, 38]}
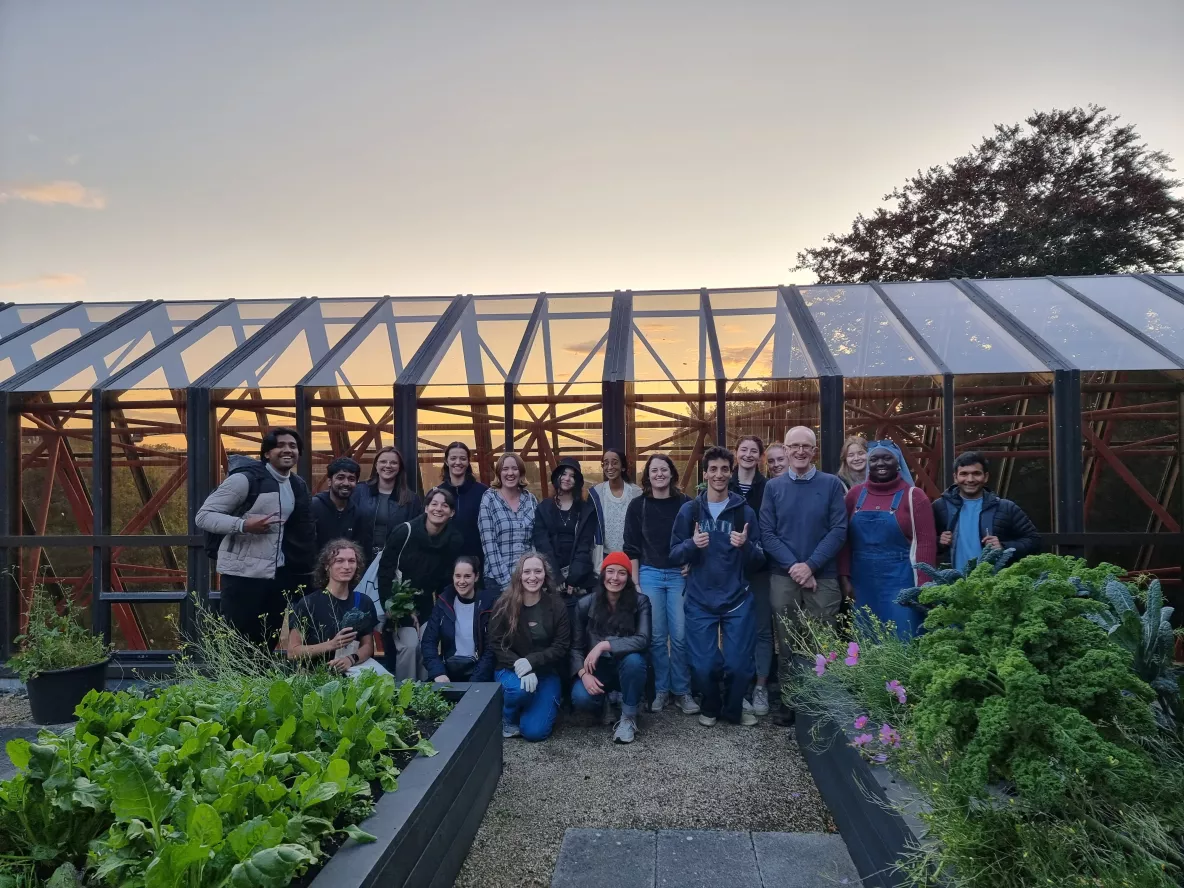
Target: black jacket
{"type": "Point", "coordinates": [553, 658]}
{"type": "Point", "coordinates": [439, 635]}
{"type": "Point", "coordinates": [584, 637]}
{"type": "Point", "coordinates": [756, 493]}
{"type": "Point", "coordinates": [468, 505]}
{"type": "Point", "coordinates": [999, 517]}
{"type": "Point", "coordinates": [332, 524]}
{"type": "Point", "coordinates": [546, 540]}
{"type": "Point", "coordinates": [425, 561]}
{"type": "Point", "coordinates": [366, 500]}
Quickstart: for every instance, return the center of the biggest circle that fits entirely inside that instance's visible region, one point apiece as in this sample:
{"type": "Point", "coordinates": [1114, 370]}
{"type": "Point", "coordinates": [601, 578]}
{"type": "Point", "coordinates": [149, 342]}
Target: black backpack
{"type": "Point", "coordinates": [255, 482]}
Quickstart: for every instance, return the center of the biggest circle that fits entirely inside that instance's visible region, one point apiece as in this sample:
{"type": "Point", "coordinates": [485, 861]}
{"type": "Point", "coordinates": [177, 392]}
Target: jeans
{"type": "Point", "coordinates": [533, 713]}
{"type": "Point", "coordinates": [789, 601]}
{"type": "Point", "coordinates": [735, 632]}
{"type": "Point", "coordinates": [626, 675]}
{"type": "Point", "coordinates": [664, 587]}
{"type": "Point", "coordinates": [764, 624]}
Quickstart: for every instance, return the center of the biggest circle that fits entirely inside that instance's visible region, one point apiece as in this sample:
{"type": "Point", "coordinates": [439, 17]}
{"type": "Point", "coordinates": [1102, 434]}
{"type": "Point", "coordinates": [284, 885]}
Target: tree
{"type": "Point", "coordinates": [1065, 192]}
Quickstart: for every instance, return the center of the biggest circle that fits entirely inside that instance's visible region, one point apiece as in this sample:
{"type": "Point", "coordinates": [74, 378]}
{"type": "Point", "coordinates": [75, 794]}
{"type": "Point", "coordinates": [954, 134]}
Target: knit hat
{"type": "Point", "coordinates": [568, 462]}
{"type": "Point", "coordinates": [620, 559]}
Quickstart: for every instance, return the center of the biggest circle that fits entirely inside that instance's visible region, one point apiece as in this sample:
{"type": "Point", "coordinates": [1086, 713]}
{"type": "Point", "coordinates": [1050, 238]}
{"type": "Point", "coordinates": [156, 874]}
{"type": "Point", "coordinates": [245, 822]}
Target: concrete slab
{"type": "Point", "coordinates": [605, 858]}
{"type": "Point", "coordinates": [706, 859]}
{"type": "Point", "coordinates": [804, 860]}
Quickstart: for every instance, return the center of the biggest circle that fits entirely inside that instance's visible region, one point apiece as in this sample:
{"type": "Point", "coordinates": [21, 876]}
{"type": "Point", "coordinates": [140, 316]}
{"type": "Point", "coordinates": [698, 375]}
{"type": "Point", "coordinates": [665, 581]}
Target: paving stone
{"type": "Point", "coordinates": [803, 860]}
{"type": "Point", "coordinates": [706, 859]}
{"type": "Point", "coordinates": [605, 858]}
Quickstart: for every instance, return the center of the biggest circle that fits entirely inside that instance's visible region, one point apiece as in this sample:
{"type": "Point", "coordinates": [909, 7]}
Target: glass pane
{"type": "Point", "coordinates": [149, 462]}
{"type": "Point", "coordinates": [56, 465]}
{"type": "Point", "coordinates": [17, 317]}
{"type": "Point", "coordinates": [906, 410]}
{"type": "Point", "coordinates": [669, 339]}
{"type": "Point", "coordinates": [1074, 329]}
{"type": "Point", "coordinates": [568, 348]}
{"type": "Point", "coordinates": [200, 348]}
{"type": "Point", "coordinates": [757, 339]}
{"type": "Point", "coordinates": [962, 334]}
{"type": "Point", "coordinates": [862, 335]}
{"type": "Point", "coordinates": [483, 347]}
{"type": "Point", "coordinates": [550, 424]}
{"type": "Point", "coordinates": [1158, 315]}
{"type": "Point", "coordinates": [1176, 280]}
{"type": "Point", "coordinates": [31, 346]}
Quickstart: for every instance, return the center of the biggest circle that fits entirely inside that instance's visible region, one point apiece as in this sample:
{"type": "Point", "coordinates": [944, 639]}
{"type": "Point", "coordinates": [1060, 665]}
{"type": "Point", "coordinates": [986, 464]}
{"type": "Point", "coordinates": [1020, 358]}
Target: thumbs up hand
{"type": "Point", "coordinates": [739, 538]}
{"type": "Point", "coordinates": [701, 537]}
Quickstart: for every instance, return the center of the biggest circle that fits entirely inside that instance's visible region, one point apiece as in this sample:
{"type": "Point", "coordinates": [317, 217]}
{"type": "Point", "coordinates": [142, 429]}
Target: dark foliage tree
{"type": "Point", "coordinates": [1065, 192]}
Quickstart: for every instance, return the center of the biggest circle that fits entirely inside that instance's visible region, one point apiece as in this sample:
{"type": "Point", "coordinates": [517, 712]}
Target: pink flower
{"type": "Point", "coordinates": [861, 723]}
{"type": "Point", "coordinates": [889, 735]}
{"type": "Point", "coordinates": [852, 654]}
{"type": "Point", "coordinates": [862, 739]}
{"type": "Point", "coordinates": [819, 664]}
{"type": "Point", "coordinates": [895, 687]}
{"type": "Point", "coordinates": [831, 657]}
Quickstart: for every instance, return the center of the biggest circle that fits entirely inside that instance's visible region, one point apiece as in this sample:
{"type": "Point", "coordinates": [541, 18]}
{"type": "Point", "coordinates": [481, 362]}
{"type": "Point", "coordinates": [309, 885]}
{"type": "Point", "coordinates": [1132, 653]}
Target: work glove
{"type": "Point", "coordinates": [522, 666]}
{"type": "Point", "coordinates": [529, 682]}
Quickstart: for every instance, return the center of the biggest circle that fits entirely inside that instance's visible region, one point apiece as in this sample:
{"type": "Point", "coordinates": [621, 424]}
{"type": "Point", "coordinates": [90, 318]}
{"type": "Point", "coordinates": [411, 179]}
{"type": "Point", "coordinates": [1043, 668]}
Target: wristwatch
{"type": "Point", "coordinates": [354, 658]}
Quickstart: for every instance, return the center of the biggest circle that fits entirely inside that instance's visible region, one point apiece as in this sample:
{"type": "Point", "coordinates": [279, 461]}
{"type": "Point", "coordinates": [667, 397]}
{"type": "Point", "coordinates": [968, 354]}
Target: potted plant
{"type": "Point", "coordinates": [58, 659]}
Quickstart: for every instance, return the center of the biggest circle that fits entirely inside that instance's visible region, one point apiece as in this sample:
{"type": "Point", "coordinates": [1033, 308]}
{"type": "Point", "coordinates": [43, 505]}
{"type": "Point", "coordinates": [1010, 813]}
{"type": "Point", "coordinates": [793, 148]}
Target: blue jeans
{"type": "Point", "coordinates": [736, 629]}
{"type": "Point", "coordinates": [534, 714]}
{"type": "Point", "coordinates": [626, 675]}
{"type": "Point", "coordinates": [664, 586]}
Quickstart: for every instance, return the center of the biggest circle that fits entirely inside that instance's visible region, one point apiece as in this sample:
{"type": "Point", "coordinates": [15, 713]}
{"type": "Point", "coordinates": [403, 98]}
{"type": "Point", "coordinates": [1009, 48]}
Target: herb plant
{"type": "Point", "coordinates": [401, 602]}
{"type": "Point", "coordinates": [55, 638]}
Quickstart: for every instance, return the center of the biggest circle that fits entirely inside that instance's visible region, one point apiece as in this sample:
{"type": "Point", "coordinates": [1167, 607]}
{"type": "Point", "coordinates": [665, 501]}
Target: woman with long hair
{"type": "Point", "coordinates": [611, 497]}
{"type": "Point", "coordinates": [565, 530]}
{"type": "Point", "coordinates": [457, 476]}
{"type": "Point", "coordinates": [530, 637]}
{"type": "Point", "coordinates": [609, 641]}
{"type": "Point", "coordinates": [335, 623]}
{"type": "Point", "coordinates": [853, 461]}
{"type": "Point", "coordinates": [776, 460]}
{"type": "Point", "coordinates": [385, 501]}
{"type": "Point", "coordinates": [506, 520]}
{"type": "Point", "coordinates": [455, 642]}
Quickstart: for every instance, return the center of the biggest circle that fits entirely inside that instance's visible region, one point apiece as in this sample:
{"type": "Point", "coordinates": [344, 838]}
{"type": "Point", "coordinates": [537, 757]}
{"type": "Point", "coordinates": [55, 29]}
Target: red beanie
{"type": "Point", "coordinates": [620, 559]}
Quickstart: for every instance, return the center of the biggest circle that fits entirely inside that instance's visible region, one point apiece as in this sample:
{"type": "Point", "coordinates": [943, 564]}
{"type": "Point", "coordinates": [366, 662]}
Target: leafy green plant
{"type": "Point", "coordinates": [401, 602]}
{"type": "Point", "coordinates": [427, 703]}
{"type": "Point", "coordinates": [55, 638]}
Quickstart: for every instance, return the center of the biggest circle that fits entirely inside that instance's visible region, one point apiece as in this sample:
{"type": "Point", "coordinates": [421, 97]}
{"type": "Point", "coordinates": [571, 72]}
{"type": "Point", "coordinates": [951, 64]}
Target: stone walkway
{"type": "Point", "coordinates": [630, 858]}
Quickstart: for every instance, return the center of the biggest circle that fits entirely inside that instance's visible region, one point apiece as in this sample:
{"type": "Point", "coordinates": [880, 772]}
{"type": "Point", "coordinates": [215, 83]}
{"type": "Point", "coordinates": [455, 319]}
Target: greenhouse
{"type": "Point", "coordinates": [119, 417]}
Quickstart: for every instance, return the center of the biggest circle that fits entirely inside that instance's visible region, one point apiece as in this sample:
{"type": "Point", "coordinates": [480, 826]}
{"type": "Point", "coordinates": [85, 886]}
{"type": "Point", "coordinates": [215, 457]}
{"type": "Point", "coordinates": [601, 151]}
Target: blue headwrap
{"type": "Point", "coordinates": [891, 447]}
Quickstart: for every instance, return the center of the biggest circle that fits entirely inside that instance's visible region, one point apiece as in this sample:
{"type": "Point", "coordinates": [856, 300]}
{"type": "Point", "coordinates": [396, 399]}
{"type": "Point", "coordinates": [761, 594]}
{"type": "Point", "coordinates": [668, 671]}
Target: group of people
{"type": "Point", "coordinates": [583, 596]}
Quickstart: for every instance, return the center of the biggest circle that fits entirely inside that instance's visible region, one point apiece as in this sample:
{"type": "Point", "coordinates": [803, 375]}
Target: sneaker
{"type": "Point", "coordinates": [660, 700]}
{"type": "Point", "coordinates": [760, 700]}
{"type": "Point", "coordinates": [707, 721]}
{"type": "Point", "coordinates": [747, 719]}
{"type": "Point", "coordinates": [688, 705]}
{"type": "Point", "coordinates": [509, 731]}
{"type": "Point", "coordinates": [745, 706]}
{"type": "Point", "coordinates": [625, 730]}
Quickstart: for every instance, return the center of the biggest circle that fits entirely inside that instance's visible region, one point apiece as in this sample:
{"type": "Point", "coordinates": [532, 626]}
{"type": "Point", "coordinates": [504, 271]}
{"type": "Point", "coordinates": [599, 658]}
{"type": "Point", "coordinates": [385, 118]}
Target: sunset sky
{"type": "Point", "coordinates": [207, 150]}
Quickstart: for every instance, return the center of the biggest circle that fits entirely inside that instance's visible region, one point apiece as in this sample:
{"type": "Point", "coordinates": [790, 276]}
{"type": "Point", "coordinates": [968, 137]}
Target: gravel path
{"type": "Point", "coordinates": [14, 709]}
{"type": "Point", "coordinates": [676, 775]}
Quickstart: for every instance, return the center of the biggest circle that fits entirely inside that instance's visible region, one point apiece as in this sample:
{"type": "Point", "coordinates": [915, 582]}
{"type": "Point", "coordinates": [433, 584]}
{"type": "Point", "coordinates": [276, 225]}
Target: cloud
{"type": "Point", "coordinates": [737, 354]}
{"type": "Point", "coordinates": [61, 191]}
{"type": "Point", "coordinates": [581, 348]}
{"type": "Point", "coordinates": [73, 159]}
{"type": "Point", "coordinates": [45, 282]}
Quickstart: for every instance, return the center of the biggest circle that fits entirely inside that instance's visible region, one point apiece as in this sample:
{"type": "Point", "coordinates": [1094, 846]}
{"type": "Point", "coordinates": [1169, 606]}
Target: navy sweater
{"type": "Point", "coordinates": [804, 521]}
{"type": "Point", "coordinates": [468, 504]}
{"type": "Point", "coordinates": [717, 580]}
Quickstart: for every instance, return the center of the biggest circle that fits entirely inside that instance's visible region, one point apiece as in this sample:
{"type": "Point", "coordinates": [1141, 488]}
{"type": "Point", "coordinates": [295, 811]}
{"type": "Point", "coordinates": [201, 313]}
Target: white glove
{"type": "Point", "coordinates": [522, 666]}
{"type": "Point", "coordinates": [529, 682]}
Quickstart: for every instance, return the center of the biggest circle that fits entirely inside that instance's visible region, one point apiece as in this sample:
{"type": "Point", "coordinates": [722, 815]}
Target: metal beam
{"type": "Point", "coordinates": [347, 343]}
{"type": "Point", "coordinates": [616, 371]}
{"type": "Point", "coordinates": [10, 519]}
{"type": "Point", "coordinates": [830, 377]}
{"type": "Point", "coordinates": [110, 384]}
{"type": "Point", "coordinates": [1163, 286]}
{"type": "Point", "coordinates": [101, 503]}
{"type": "Point", "coordinates": [210, 378]}
{"type": "Point", "coordinates": [45, 320]}
{"type": "Point", "coordinates": [200, 429]}
{"type": "Point", "coordinates": [1021, 332]}
{"type": "Point", "coordinates": [518, 367]}
{"type": "Point", "coordinates": [1119, 322]}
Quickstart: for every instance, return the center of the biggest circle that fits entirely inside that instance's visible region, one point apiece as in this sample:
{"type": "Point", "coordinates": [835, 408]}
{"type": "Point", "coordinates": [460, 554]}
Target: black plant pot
{"type": "Point", "coordinates": [54, 695]}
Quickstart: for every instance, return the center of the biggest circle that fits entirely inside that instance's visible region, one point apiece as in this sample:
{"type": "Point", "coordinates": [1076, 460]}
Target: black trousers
{"type": "Point", "coordinates": [254, 607]}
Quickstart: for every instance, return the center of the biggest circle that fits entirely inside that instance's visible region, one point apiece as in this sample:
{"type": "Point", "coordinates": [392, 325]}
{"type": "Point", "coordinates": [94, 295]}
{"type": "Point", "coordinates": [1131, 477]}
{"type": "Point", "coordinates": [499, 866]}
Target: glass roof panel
{"type": "Point", "coordinates": [1142, 306]}
{"type": "Point", "coordinates": [378, 355]}
{"type": "Point", "coordinates": [568, 347]}
{"type": "Point", "coordinates": [864, 337]}
{"type": "Point", "coordinates": [669, 339]}
{"type": "Point", "coordinates": [757, 339]}
{"type": "Point", "coordinates": [1176, 280]}
{"type": "Point", "coordinates": [962, 334]}
{"type": "Point", "coordinates": [17, 317]}
{"type": "Point", "coordinates": [288, 355]}
{"type": "Point", "coordinates": [483, 347]}
{"type": "Point", "coordinates": [203, 346]}
{"type": "Point", "coordinates": [1074, 329]}
{"type": "Point", "coordinates": [30, 346]}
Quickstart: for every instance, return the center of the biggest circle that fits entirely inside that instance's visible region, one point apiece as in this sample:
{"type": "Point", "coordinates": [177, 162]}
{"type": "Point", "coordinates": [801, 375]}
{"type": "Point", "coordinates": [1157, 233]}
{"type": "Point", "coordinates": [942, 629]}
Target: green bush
{"type": "Point", "coordinates": [55, 638]}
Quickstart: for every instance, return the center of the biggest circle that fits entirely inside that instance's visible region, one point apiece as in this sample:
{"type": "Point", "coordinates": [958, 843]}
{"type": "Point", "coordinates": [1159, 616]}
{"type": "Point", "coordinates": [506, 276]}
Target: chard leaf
{"type": "Point", "coordinates": [205, 826]}
{"type": "Point", "coordinates": [18, 750]}
{"type": "Point", "coordinates": [271, 791]}
{"type": "Point", "coordinates": [137, 791]}
{"type": "Point", "coordinates": [358, 834]}
{"type": "Point", "coordinates": [281, 698]}
{"type": "Point", "coordinates": [271, 867]}
{"type": "Point", "coordinates": [254, 835]}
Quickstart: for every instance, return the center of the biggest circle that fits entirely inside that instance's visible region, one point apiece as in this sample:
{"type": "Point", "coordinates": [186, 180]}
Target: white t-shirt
{"type": "Point", "coordinates": [465, 647]}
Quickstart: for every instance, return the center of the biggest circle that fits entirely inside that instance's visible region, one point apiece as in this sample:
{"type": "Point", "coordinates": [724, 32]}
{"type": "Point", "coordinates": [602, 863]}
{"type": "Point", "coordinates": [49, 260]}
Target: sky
{"type": "Point", "coordinates": [194, 150]}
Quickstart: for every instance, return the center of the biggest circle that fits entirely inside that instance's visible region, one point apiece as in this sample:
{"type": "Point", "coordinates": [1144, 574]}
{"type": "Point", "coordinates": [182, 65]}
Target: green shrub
{"type": "Point", "coordinates": [55, 638]}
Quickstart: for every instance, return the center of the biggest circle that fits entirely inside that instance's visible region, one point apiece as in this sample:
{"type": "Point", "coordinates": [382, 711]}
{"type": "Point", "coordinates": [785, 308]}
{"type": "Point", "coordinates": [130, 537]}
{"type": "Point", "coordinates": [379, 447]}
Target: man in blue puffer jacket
{"type": "Point", "coordinates": [716, 535]}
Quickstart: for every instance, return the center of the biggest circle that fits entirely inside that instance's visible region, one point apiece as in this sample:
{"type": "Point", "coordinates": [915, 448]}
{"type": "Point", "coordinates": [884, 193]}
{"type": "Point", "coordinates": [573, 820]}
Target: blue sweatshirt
{"type": "Point", "coordinates": [717, 581]}
{"type": "Point", "coordinates": [804, 521]}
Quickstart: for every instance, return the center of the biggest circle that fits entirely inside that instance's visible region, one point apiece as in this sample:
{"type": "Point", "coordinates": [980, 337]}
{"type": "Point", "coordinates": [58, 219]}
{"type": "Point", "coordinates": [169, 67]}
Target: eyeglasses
{"type": "Point", "coordinates": [803, 448]}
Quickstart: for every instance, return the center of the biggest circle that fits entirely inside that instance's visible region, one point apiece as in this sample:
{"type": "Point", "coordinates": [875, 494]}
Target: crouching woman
{"type": "Point", "coordinates": [456, 638]}
{"type": "Point", "coordinates": [610, 640]}
{"type": "Point", "coordinates": [530, 637]}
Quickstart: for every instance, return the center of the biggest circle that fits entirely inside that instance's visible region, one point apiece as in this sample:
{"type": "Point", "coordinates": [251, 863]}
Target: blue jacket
{"type": "Point", "coordinates": [717, 580]}
{"type": "Point", "coordinates": [439, 635]}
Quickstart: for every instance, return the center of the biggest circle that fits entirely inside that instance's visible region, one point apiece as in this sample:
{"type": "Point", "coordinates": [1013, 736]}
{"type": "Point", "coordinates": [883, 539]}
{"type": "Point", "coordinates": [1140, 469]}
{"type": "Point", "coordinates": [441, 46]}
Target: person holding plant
{"type": "Point", "coordinates": [385, 501]}
{"type": "Point", "coordinates": [609, 639]}
{"type": "Point", "coordinates": [890, 528]}
{"type": "Point", "coordinates": [335, 623]}
{"type": "Point", "coordinates": [506, 520]}
{"type": "Point", "coordinates": [455, 644]}
{"type": "Point", "coordinates": [458, 478]}
{"type": "Point", "coordinates": [611, 498]}
{"type": "Point", "coordinates": [419, 555]}
{"type": "Point", "coordinates": [649, 522]}
{"type": "Point", "coordinates": [564, 531]}
{"type": "Point", "coordinates": [853, 461]}
{"type": "Point", "coordinates": [531, 639]}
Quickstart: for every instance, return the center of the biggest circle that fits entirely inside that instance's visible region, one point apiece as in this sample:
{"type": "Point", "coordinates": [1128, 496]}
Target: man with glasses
{"type": "Point", "coordinates": [803, 525]}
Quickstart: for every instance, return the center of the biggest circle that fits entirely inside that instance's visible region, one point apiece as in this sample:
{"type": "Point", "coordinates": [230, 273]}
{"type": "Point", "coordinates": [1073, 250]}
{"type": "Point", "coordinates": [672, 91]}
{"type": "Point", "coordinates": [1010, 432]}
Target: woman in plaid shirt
{"type": "Point", "coordinates": [505, 520]}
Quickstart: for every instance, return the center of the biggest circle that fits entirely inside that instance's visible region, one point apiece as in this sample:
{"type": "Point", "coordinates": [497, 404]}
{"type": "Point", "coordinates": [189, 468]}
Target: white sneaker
{"type": "Point", "coordinates": [707, 721]}
{"type": "Point", "coordinates": [509, 731]}
{"type": "Point", "coordinates": [760, 700]}
{"type": "Point", "coordinates": [745, 706]}
{"type": "Point", "coordinates": [625, 730]}
{"type": "Point", "coordinates": [688, 705]}
{"type": "Point", "coordinates": [747, 719]}
{"type": "Point", "coordinates": [660, 700]}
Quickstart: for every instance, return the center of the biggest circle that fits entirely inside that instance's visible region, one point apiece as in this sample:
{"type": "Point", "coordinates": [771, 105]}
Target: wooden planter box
{"type": "Point", "coordinates": [425, 828]}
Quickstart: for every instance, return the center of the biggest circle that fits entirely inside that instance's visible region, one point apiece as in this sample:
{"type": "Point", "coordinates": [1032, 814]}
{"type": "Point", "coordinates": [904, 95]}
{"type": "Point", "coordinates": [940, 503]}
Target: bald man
{"type": "Point", "coordinates": [803, 522]}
